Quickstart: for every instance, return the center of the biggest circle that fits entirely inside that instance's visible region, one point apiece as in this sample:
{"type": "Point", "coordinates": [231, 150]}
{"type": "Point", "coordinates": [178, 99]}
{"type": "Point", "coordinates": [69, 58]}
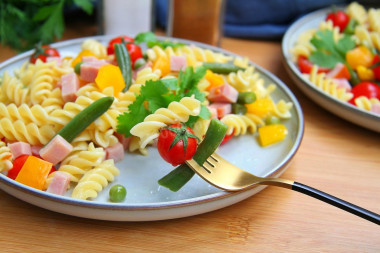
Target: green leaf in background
{"type": "Point", "coordinates": [145, 37]}
{"type": "Point", "coordinates": [85, 5]}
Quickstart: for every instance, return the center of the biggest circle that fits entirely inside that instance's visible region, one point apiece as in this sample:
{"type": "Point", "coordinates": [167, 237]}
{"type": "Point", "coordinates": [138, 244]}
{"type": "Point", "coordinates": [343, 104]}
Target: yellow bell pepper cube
{"type": "Point", "coordinates": [271, 134]}
{"type": "Point", "coordinates": [365, 74]}
{"type": "Point", "coordinates": [78, 59]}
{"type": "Point", "coordinates": [214, 79]}
{"type": "Point", "coordinates": [359, 56]}
{"type": "Point", "coordinates": [110, 76]}
{"type": "Point", "coordinates": [262, 107]}
{"type": "Point", "coordinates": [34, 172]}
{"type": "Point", "coordinates": [162, 64]}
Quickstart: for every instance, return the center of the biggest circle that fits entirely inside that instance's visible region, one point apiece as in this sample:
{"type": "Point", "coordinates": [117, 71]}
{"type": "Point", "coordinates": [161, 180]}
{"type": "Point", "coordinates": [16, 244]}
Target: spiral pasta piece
{"type": "Point", "coordinates": [95, 180]}
{"type": "Point", "coordinates": [147, 74]}
{"type": "Point", "coordinates": [366, 103]}
{"type": "Point", "coordinates": [328, 85]}
{"type": "Point", "coordinates": [35, 114]}
{"type": "Point", "coordinates": [357, 12]}
{"type": "Point", "coordinates": [364, 37]}
{"type": "Point", "coordinates": [282, 109]}
{"type": "Point", "coordinates": [176, 112]}
{"type": "Point", "coordinates": [241, 124]}
{"type": "Point", "coordinates": [96, 47]}
{"type": "Point", "coordinates": [13, 91]}
{"type": "Point", "coordinates": [303, 46]}
{"type": "Point", "coordinates": [374, 19]}
{"type": "Point", "coordinates": [103, 138]}
{"type": "Point", "coordinates": [5, 157]}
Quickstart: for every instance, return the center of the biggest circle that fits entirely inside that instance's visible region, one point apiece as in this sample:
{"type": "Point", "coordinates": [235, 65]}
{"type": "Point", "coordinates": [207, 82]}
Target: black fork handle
{"type": "Point", "coordinates": [354, 209]}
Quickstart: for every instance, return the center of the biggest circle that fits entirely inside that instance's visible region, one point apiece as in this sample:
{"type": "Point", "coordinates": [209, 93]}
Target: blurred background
{"type": "Point", "coordinates": [23, 23]}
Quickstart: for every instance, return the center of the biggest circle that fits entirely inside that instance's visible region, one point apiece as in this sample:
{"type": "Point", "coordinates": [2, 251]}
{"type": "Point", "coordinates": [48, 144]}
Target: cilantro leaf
{"type": "Point", "coordinates": [136, 114]}
{"type": "Point", "coordinates": [145, 37]}
{"type": "Point", "coordinates": [328, 52]}
{"type": "Point", "coordinates": [154, 92]}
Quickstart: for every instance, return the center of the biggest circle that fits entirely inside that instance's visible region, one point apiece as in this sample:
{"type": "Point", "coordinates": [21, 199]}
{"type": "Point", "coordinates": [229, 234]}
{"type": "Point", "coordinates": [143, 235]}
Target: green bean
{"type": "Point", "coordinates": [221, 68]}
{"type": "Point", "coordinates": [272, 120]}
{"type": "Point", "coordinates": [125, 64]}
{"type": "Point", "coordinates": [117, 193]}
{"type": "Point", "coordinates": [77, 68]}
{"type": "Point", "coordinates": [239, 109]}
{"type": "Point", "coordinates": [246, 97]}
{"type": "Point", "coordinates": [139, 63]}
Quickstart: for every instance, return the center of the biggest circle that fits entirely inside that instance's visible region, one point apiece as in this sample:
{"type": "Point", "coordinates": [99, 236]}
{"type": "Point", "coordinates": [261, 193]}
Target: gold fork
{"type": "Point", "coordinates": [224, 175]}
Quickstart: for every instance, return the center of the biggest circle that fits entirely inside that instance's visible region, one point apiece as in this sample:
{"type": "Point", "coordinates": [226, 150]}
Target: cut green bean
{"type": "Point", "coordinates": [222, 68]}
{"type": "Point", "coordinates": [246, 97]}
{"type": "Point", "coordinates": [239, 109]}
{"type": "Point", "coordinates": [125, 64]}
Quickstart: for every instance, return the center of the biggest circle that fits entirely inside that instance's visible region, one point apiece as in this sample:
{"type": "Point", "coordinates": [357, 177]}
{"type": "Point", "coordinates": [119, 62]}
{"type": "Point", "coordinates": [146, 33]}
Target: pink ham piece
{"type": "Point", "coordinates": [36, 150]}
{"type": "Point", "coordinates": [213, 111]}
{"type": "Point", "coordinates": [375, 108]}
{"type": "Point", "coordinates": [115, 152]}
{"type": "Point", "coordinates": [177, 63]}
{"type": "Point", "coordinates": [20, 148]}
{"type": "Point", "coordinates": [89, 70]}
{"type": "Point", "coordinates": [70, 86]}
{"type": "Point", "coordinates": [89, 58]}
{"type": "Point", "coordinates": [56, 150]}
{"type": "Point", "coordinates": [59, 183]}
{"type": "Point", "coordinates": [224, 93]}
{"type": "Point", "coordinates": [343, 83]}
{"type": "Point", "coordinates": [222, 109]}
{"type": "Point", "coordinates": [123, 140]}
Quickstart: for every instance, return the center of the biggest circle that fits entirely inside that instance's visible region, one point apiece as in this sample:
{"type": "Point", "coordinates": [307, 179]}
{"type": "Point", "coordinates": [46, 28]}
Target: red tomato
{"type": "Point", "coordinates": [339, 19]}
{"type": "Point", "coordinates": [42, 52]}
{"type": "Point", "coordinates": [227, 137]}
{"type": "Point", "coordinates": [135, 52]}
{"type": "Point", "coordinates": [376, 69]}
{"type": "Point", "coordinates": [367, 89]}
{"type": "Point", "coordinates": [176, 144]}
{"type": "Point", "coordinates": [120, 39]}
{"type": "Point", "coordinates": [18, 163]}
{"type": "Point", "coordinates": [305, 66]}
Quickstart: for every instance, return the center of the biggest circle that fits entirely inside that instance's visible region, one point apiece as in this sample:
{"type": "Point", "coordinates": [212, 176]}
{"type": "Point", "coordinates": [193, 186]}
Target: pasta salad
{"type": "Point", "coordinates": [341, 56]}
{"type": "Point", "coordinates": [67, 120]}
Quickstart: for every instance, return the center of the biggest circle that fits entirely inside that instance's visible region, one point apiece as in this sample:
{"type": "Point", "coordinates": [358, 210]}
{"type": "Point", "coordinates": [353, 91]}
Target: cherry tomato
{"type": "Point", "coordinates": [176, 144]}
{"type": "Point", "coordinates": [121, 39]}
{"type": "Point", "coordinates": [339, 18]}
{"type": "Point", "coordinates": [376, 69]}
{"type": "Point", "coordinates": [367, 89]}
{"type": "Point", "coordinates": [305, 66]}
{"type": "Point", "coordinates": [18, 163]}
{"type": "Point", "coordinates": [227, 137]}
{"type": "Point", "coordinates": [135, 52]}
{"type": "Point", "coordinates": [42, 52]}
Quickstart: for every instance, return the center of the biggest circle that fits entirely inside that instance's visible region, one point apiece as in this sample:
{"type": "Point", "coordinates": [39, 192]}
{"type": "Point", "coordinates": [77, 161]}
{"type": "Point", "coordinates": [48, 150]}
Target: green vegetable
{"type": "Point", "coordinates": [139, 63]}
{"type": "Point", "coordinates": [117, 193]}
{"type": "Point", "coordinates": [222, 68]}
{"type": "Point", "coordinates": [178, 177]}
{"type": "Point", "coordinates": [77, 68]}
{"type": "Point", "coordinates": [145, 37]}
{"type": "Point", "coordinates": [159, 94]}
{"type": "Point", "coordinates": [84, 118]}
{"type": "Point", "coordinates": [239, 109]}
{"type": "Point", "coordinates": [328, 52]}
{"type": "Point", "coordinates": [271, 120]}
{"type": "Point", "coordinates": [24, 23]}
{"type": "Point", "coordinates": [350, 28]}
{"type": "Point", "coordinates": [246, 97]}
{"type": "Point", "coordinates": [125, 64]}
{"type": "Point", "coordinates": [151, 41]}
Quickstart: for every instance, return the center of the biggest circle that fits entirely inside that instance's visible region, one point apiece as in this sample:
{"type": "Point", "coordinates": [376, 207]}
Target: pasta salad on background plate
{"type": "Point", "coordinates": [332, 55]}
{"type": "Point", "coordinates": [90, 118]}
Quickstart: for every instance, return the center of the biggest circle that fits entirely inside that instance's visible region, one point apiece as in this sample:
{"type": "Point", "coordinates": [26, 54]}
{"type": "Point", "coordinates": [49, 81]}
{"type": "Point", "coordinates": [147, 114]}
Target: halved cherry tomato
{"type": "Point", "coordinates": [121, 39]}
{"type": "Point", "coordinates": [42, 52]}
{"type": "Point", "coordinates": [135, 52]}
{"type": "Point", "coordinates": [227, 137]}
{"type": "Point", "coordinates": [367, 89]}
{"type": "Point", "coordinates": [339, 18]}
{"type": "Point", "coordinates": [305, 66]}
{"type": "Point", "coordinates": [176, 144]}
{"type": "Point", "coordinates": [376, 69]}
{"type": "Point", "coordinates": [17, 165]}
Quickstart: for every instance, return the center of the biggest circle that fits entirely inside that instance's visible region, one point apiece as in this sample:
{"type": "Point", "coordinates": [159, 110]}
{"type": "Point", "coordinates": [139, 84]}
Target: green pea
{"type": "Point", "coordinates": [77, 67]}
{"type": "Point", "coordinates": [239, 109]}
{"type": "Point", "coordinates": [271, 120]}
{"type": "Point", "coordinates": [139, 63]}
{"type": "Point", "coordinates": [246, 97]}
{"type": "Point", "coordinates": [117, 193]}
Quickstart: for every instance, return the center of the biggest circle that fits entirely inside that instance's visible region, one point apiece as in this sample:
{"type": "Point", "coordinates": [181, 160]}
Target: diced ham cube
{"type": "Point", "coordinates": [56, 150]}
{"type": "Point", "coordinates": [177, 63]}
{"type": "Point", "coordinates": [224, 93]}
{"type": "Point", "coordinates": [115, 152]}
{"type": "Point", "coordinates": [89, 58]}
{"type": "Point", "coordinates": [375, 108]}
{"type": "Point", "coordinates": [123, 140]}
{"type": "Point", "coordinates": [213, 111]}
{"type": "Point", "coordinates": [59, 183]}
{"type": "Point", "coordinates": [20, 148]}
{"type": "Point", "coordinates": [222, 109]}
{"type": "Point", "coordinates": [343, 83]}
{"type": "Point", "coordinates": [36, 150]}
{"type": "Point", "coordinates": [89, 70]}
{"type": "Point", "coordinates": [70, 86]}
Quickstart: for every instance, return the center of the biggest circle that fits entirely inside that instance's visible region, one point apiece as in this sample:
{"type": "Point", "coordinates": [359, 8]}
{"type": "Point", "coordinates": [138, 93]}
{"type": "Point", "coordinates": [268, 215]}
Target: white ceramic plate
{"type": "Point", "coordinates": [342, 109]}
{"type": "Point", "coordinates": [146, 200]}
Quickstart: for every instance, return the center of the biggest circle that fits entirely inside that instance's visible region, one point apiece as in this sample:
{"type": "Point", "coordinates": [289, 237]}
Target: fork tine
{"type": "Point", "coordinates": [209, 166]}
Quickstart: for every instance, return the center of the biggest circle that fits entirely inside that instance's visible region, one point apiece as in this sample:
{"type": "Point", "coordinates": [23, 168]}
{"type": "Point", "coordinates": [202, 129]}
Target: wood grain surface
{"type": "Point", "coordinates": [335, 156]}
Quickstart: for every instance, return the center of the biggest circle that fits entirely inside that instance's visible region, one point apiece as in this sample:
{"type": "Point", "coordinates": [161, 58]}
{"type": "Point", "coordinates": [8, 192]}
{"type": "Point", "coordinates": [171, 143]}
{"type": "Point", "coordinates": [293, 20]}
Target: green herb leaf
{"type": "Point", "coordinates": [145, 37]}
{"type": "Point", "coordinates": [85, 5]}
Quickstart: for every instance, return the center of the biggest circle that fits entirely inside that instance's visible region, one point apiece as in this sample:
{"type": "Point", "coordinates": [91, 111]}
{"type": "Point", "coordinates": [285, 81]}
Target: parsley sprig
{"type": "Point", "coordinates": [159, 94]}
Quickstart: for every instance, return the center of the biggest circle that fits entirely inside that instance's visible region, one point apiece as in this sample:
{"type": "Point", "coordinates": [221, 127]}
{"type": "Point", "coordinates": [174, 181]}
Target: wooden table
{"type": "Point", "coordinates": [335, 156]}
